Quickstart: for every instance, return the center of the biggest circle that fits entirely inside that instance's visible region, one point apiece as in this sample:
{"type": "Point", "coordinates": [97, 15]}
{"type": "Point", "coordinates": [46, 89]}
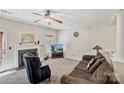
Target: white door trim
{"type": "Point", "coordinates": [5, 46]}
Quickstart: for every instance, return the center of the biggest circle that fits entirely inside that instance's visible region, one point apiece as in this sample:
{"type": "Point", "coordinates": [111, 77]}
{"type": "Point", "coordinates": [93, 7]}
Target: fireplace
{"type": "Point", "coordinates": [22, 52]}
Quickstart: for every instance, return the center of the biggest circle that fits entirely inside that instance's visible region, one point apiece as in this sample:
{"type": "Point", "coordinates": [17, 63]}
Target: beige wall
{"type": "Point", "coordinates": [89, 36]}
{"type": "Point", "coordinates": [14, 30]}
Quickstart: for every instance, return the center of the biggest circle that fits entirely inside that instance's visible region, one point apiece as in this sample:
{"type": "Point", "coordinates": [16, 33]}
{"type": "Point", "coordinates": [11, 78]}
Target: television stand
{"type": "Point", "coordinates": [57, 55]}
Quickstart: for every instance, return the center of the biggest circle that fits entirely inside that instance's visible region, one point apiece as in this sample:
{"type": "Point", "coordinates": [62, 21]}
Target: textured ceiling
{"type": "Point", "coordinates": [72, 18]}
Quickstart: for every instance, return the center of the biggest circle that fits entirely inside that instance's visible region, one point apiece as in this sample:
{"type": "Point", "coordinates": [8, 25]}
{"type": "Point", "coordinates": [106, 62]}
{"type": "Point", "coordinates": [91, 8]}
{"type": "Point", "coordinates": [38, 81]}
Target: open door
{"type": "Point", "coordinates": [2, 51]}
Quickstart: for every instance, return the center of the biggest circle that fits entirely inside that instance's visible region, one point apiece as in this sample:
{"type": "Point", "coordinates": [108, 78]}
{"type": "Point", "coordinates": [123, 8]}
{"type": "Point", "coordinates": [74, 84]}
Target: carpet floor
{"type": "Point", "coordinates": [58, 67]}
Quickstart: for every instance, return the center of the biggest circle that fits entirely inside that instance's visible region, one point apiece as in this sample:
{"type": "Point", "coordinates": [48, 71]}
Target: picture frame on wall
{"type": "Point", "coordinates": [27, 38]}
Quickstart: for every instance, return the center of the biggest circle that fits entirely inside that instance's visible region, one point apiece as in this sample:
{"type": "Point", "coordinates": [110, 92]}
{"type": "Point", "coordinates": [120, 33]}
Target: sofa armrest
{"type": "Point", "coordinates": [88, 57]}
{"type": "Point", "coordinates": [66, 79]}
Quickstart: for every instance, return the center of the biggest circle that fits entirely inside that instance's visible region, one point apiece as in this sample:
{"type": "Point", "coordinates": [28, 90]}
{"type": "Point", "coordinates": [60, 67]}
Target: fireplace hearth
{"type": "Point", "coordinates": [22, 52]}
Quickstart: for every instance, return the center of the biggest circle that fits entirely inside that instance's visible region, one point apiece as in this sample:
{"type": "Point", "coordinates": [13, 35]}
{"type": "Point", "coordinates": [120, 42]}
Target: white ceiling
{"type": "Point", "coordinates": [72, 18]}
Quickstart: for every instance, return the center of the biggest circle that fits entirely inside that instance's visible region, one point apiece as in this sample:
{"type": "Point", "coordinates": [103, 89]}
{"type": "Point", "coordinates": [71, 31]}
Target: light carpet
{"type": "Point", "coordinates": [58, 67]}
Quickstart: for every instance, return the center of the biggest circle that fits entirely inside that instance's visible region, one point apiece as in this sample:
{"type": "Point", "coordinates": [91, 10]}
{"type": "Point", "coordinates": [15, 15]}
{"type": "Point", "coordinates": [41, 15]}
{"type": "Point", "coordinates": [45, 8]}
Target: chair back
{"type": "Point", "coordinates": [32, 65]}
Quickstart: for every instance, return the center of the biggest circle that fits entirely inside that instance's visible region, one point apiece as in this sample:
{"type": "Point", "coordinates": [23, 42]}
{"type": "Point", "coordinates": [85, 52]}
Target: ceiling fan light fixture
{"type": "Point", "coordinates": [49, 21]}
{"type": "Point", "coordinates": [48, 17]}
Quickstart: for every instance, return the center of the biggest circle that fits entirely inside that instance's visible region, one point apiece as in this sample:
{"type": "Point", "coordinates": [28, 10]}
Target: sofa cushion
{"type": "Point", "coordinates": [66, 79]}
{"type": "Point", "coordinates": [91, 63]}
{"type": "Point", "coordinates": [96, 65]}
{"type": "Point", "coordinates": [84, 62]}
{"type": "Point", "coordinates": [107, 55]}
{"type": "Point", "coordinates": [88, 57]}
{"type": "Point", "coordinates": [81, 74]}
{"type": "Point", "coordinates": [104, 74]}
{"type": "Point", "coordinates": [82, 66]}
{"type": "Point", "coordinates": [98, 75]}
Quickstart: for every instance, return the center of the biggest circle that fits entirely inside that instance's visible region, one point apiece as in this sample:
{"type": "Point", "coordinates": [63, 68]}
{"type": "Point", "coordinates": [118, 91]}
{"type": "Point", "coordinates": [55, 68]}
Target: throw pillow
{"type": "Point", "coordinates": [91, 63]}
{"type": "Point", "coordinates": [99, 76]}
{"type": "Point", "coordinates": [107, 55]}
{"type": "Point", "coordinates": [88, 65]}
{"type": "Point", "coordinates": [104, 74]}
{"type": "Point", "coordinates": [95, 65]}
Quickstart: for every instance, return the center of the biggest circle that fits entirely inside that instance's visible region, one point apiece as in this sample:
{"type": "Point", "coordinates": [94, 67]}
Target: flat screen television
{"type": "Point", "coordinates": [57, 48]}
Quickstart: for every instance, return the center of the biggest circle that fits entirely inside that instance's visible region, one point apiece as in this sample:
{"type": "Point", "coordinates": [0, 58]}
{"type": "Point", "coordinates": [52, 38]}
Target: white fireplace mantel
{"type": "Point", "coordinates": [26, 46]}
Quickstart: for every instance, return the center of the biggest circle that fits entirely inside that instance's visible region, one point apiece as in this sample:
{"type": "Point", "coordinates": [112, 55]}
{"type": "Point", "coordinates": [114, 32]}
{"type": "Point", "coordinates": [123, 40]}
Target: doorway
{"type": "Point", "coordinates": [3, 49]}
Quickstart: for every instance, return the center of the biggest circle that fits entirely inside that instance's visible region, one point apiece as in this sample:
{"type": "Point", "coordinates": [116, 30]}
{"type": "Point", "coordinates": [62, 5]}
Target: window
{"type": "Point", "coordinates": [49, 41]}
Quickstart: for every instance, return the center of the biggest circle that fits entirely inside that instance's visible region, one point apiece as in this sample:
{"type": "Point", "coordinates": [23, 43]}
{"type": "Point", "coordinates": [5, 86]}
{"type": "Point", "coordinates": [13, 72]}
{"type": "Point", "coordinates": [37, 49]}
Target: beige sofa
{"type": "Point", "coordinates": [102, 74]}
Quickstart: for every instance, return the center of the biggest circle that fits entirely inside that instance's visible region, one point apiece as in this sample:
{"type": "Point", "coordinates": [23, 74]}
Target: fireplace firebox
{"type": "Point", "coordinates": [22, 52]}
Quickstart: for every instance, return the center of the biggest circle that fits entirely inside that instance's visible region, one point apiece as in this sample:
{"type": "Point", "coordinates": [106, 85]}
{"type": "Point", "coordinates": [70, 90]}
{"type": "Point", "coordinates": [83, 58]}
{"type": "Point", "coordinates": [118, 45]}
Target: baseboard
{"type": "Point", "coordinates": [8, 70]}
{"type": "Point", "coordinates": [118, 60]}
{"type": "Point", "coordinates": [73, 58]}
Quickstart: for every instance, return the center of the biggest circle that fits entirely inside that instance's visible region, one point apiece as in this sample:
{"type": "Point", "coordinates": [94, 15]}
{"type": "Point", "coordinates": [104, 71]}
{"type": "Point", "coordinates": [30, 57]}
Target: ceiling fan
{"type": "Point", "coordinates": [48, 17]}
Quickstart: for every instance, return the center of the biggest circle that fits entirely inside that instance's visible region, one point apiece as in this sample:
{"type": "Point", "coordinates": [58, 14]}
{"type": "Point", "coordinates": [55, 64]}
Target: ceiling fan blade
{"type": "Point", "coordinates": [54, 19]}
{"type": "Point", "coordinates": [7, 12]}
{"type": "Point", "coordinates": [37, 20]}
{"type": "Point", "coordinates": [37, 14]}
